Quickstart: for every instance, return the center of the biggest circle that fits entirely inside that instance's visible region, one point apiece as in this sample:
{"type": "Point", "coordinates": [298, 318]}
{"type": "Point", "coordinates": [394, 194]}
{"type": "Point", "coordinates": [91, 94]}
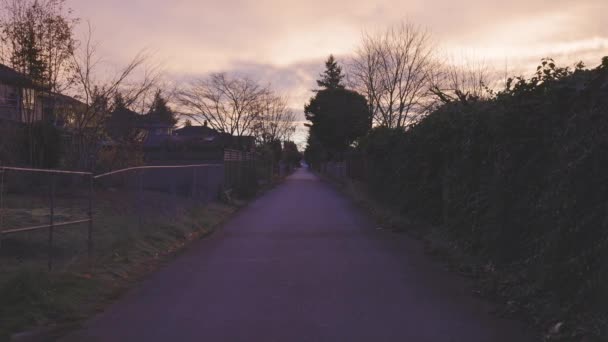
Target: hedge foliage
{"type": "Point", "coordinates": [519, 178]}
{"type": "Point", "coordinates": [37, 144]}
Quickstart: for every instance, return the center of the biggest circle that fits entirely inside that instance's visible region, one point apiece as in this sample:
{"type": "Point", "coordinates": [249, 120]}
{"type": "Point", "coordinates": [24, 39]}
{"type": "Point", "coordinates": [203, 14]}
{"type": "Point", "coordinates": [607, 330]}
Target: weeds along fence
{"type": "Point", "coordinates": [241, 171]}
{"type": "Point", "coordinates": [58, 218]}
{"type": "Point", "coordinates": [245, 171]}
{"type": "Point", "coordinates": [43, 214]}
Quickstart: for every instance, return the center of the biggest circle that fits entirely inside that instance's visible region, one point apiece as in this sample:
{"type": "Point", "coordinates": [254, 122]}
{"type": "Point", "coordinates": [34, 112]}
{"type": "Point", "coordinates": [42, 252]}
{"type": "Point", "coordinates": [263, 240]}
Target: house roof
{"type": "Point", "coordinates": [13, 77]}
{"type": "Point", "coordinates": [63, 99]}
{"type": "Point", "coordinates": [195, 131]}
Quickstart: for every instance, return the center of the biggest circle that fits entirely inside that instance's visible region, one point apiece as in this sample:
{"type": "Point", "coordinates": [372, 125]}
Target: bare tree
{"type": "Point", "coordinates": [275, 121]}
{"type": "Point", "coordinates": [96, 95]}
{"type": "Point", "coordinates": [464, 79]}
{"type": "Point", "coordinates": [229, 104]}
{"type": "Point", "coordinates": [392, 69]}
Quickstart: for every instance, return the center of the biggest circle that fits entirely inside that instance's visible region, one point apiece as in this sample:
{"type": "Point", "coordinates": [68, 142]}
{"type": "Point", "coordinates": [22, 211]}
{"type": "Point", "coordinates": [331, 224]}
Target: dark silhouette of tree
{"type": "Point", "coordinates": [122, 122]}
{"type": "Point", "coordinates": [337, 118]}
{"type": "Point", "coordinates": [44, 140]}
{"type": "Point", "coordinates": [314, 154]}
{"type": "Point", "coordinates": [332, 77]}
{"type": "Point", "coordinates": [277, 150]}
{"type": "Point", "coordinates": [291, 155]}
{"type": "Point", "coordinates": [465, 81]}
{"type": "Point", "coordinates": [275, 121]}
{"type": "Point", "coordinates": [228, 103]}
{"type": "Point", "coordinates": [160, 111]}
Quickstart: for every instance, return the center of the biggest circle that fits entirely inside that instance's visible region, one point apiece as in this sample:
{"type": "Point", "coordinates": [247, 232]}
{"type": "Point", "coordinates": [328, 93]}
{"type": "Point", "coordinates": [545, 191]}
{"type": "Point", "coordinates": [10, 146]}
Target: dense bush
{"type": "Point", "coordinates": [520, 179]}
{"type": "Point", "coordinates": [10, 144]}
{"type": "Point", "coordinates": [119, 157]}
{"type": "Point", "coordinates": [37, 144]}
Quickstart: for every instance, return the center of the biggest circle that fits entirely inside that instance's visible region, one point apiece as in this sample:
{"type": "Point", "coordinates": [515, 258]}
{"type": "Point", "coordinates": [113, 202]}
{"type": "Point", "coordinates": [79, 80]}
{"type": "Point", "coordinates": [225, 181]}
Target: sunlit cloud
{"type": "Point", "coordinates": [570, 49]}
{"type": "Point", "coordinates": [285, 42]}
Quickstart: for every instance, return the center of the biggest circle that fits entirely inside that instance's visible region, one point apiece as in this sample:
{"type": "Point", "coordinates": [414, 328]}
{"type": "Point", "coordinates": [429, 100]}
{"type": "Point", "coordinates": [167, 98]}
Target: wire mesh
{"type": "Point", "coordinates": [60, 219]}
{"type": "Point", "coordinates": [42, 216]}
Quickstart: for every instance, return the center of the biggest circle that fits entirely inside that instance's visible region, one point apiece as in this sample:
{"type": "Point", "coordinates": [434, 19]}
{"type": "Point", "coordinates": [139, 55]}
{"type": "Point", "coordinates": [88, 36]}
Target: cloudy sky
{"type": "Point", "coordinates": [285, 42]}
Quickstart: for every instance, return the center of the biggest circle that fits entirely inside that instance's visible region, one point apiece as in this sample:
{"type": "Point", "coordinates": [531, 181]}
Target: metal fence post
{"type": "Point", "coordinates": [208, 187]}
{"type": "Point", "coordinates": [140, 184]}
{"type": "Point", "coordinates": [2, 172]}
{"type": "Point", "coordinates": [90, 214]}
{"type": "Point", "coordinates": [193, 187]}
{"type": "Point", "coordinates": [271, 171]}
{"type": "Point", "coordinates": [174, 193]}
{"type": "Point", "coordinates": [239, 171]}
{"type": "Point", "coordinates": [254, 171]}
{"type": "Point", "coordinates": [52, 219]}
{"type": "Point", "coordinates": [227, 184]}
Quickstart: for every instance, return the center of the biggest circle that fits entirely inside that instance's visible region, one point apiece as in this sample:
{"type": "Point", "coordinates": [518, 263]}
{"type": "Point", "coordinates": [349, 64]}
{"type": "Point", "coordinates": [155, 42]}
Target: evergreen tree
{"type": "Point", "coordinates": [314, 154]}
{"type": "Point", "coordinates": [291, 155]}
{"type": "Point", "coordinates": [337, 118]}
{"type": "Point", "coordinates": [332, 77]}
{"type": "Point", "coordinates": [160, 111]}
{"type": "Point", "coordinates": [122, 122]}
{"type": "Point", "coordinates": [119, 102]}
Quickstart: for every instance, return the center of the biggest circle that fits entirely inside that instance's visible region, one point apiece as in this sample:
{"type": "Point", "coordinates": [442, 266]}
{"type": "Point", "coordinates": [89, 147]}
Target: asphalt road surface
{"type": "Point", "coordinates": [302, 263]}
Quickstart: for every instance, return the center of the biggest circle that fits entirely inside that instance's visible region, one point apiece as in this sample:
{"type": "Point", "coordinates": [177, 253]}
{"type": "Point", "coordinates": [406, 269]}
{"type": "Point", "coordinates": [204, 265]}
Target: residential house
{"type": "Point", "coordinates": [210, 135]}
{"type": "Point", "coordinates": [190, 144]}
{"type": "Point", "coordinates": [203, 132]}
{"type": "Point", "coordinates": [61, 110]}
{"type": "Point", "coordinates": [18, 97]}
{"type": "Point", "coordinates": [22, 101]}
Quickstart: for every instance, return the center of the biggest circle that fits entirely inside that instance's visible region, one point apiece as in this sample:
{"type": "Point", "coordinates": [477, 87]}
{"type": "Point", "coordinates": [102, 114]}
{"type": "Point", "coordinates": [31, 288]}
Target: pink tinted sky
{"type": "Point", "coordinates": [284, 42]}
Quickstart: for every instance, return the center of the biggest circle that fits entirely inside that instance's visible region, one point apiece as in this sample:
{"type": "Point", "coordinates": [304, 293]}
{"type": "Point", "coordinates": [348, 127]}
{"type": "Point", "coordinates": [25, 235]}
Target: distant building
{"type": "Point", "coordinates": [190, 144]}
{"type": "Point", "coordinates": [156, 134]}
{"type": "Point", "coordinates": [208, 134]}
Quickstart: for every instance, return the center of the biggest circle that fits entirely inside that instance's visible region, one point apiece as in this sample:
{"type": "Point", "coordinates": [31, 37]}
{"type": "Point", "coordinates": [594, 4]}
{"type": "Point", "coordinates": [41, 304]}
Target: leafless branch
{"type": "Point", "coordinates": [392, 69]}
{"type": "Point", "coordinates": [227, 103]}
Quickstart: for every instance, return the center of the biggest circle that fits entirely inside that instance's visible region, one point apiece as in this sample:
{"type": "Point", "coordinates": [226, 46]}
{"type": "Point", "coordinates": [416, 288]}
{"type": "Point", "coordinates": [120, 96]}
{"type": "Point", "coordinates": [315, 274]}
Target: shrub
{"type": "Point", "coordinates": [518, 179]}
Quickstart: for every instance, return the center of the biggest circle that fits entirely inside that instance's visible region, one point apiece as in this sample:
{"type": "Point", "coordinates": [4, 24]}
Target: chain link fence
{"type": "Point", "coordinates": [246, 172]}
{"type": "Point", "coordinates": [55, 219]}
{"type": "Point", "coordinates": [44, 215]}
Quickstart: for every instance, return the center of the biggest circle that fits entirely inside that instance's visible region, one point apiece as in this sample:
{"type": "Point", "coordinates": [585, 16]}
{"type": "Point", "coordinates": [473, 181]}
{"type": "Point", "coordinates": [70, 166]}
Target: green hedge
{"type": "Point", "coordinates": [520, 179]}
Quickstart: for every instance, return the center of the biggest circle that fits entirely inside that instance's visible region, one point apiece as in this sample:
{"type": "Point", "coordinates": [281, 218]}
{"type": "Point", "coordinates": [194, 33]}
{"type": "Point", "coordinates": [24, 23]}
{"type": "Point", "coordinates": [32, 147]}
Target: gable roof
{"type": "Point", "coordinates": [15, 78]}
{"type": "Point", "coordinates": [195, 131]}
{"type": "Point", "coordinates": [61, 99]}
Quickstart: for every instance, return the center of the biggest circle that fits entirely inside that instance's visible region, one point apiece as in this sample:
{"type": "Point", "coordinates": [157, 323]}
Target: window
{"type": "Point", "coordinates": [29, 99]}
